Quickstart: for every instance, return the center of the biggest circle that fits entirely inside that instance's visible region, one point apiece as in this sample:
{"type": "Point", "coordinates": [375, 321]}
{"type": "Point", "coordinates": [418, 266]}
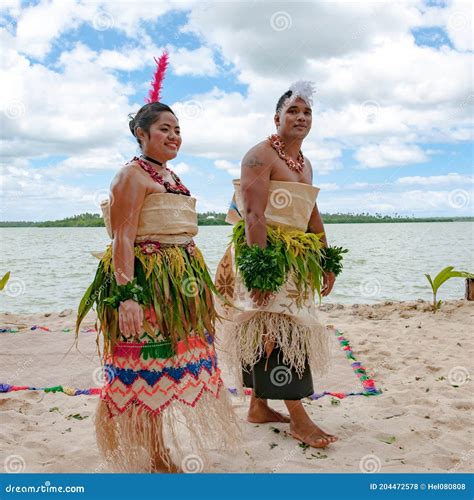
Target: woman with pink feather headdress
{"type": "Point", "coordinates": [163, 404]}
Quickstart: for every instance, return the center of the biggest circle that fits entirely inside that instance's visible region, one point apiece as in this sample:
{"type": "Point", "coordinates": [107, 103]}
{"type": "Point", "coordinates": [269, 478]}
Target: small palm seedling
{"type": "Point", "coordinates": [4, 280]}
{"type": "Point", "coordinates": [444, 275]}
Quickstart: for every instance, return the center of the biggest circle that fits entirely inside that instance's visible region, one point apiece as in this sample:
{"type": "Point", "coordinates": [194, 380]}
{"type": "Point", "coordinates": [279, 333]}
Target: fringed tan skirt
{"type": "Point", "coordinates": [277, 346]}
{"type": "Point", "coordinates": [173, 409]}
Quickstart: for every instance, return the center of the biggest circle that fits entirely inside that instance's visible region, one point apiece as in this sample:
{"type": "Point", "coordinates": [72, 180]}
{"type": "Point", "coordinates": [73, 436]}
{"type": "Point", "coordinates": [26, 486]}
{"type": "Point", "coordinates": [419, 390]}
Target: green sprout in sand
{"type": "Point", "coordinates": [4, 280]}
{"type": "Point", "coordinates": [444, 275]}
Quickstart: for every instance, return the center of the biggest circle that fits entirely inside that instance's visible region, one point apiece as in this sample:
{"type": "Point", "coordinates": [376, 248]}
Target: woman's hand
{"type": "Point", "coordinates": [130, 318]}
{"type": "Point", "coordinates": [328, 283]}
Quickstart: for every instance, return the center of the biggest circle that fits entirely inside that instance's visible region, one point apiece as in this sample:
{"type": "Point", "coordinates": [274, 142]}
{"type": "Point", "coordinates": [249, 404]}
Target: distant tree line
{"type": "Point", "coordinates": [218, 219]}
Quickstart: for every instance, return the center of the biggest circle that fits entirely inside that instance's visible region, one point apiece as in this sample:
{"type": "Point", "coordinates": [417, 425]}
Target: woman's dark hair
{"type": "Point", "coordinates": [146, 116]}
{"type": "Point", "coordinates": [282, 100]}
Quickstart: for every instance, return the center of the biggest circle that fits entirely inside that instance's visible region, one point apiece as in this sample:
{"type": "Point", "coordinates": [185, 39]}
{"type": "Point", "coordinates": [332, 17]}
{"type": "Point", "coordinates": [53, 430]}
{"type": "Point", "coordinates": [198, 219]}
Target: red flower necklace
{"type": "Point", "coordinates": [177, 188]}
{"type": "Point", "coordinates": [279, 146]}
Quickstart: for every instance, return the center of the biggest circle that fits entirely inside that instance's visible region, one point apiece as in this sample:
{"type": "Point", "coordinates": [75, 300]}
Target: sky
{"type": "Point", "coordinates": [392, 117]}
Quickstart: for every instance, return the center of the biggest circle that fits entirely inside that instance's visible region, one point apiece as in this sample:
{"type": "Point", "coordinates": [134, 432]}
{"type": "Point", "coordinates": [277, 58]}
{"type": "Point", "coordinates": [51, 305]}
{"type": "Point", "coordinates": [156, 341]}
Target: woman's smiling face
{"type": "Point", "coordinates": [163, 139]}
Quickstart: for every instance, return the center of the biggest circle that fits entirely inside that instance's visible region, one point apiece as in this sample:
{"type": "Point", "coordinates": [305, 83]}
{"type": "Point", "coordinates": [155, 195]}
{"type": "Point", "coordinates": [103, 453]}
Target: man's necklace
{"type": "Point", "coordinates": [279, 146]}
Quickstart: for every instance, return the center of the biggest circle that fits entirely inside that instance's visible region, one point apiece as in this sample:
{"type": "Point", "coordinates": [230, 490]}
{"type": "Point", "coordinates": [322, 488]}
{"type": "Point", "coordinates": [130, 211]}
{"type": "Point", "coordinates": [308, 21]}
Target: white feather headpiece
{"type": "Point", "coordinates": [303, 89]}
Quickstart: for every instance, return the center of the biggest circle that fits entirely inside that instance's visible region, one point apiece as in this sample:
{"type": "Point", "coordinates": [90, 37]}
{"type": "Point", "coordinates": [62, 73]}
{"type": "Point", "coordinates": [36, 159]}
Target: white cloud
{"type": "Point", "coordinates": [40, 25]}
{"type": "Point", "coordinates": [418, 202]}
{"type": "Point", "coordinates": [69, 111]}
{"type": "Point", "coordinates": [193, 62]}
{"type": "Point", "coordinates": [451, 178]}
{"type": "Point", "coordinates": [329, 186]}
{"type": "Point", "coordinates": [180, 168]}
{"type": "Point", "coordinates": [459, 15]}
{"type": "Point", "coordinates": [390, 153]}
{"type": "Point", "coordinates": [30, 195]}
{"type": "Point", "coordinates": [378, 93]}
{"type": "Point", "coordinates": [232, 169]}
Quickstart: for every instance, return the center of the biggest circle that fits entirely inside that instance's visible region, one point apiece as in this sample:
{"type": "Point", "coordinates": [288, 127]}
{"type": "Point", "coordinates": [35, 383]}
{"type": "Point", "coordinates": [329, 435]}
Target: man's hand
{"type": "Point", "coordinates": [328, 283]}
{"type": "Point", "coordinates": [260, 297]}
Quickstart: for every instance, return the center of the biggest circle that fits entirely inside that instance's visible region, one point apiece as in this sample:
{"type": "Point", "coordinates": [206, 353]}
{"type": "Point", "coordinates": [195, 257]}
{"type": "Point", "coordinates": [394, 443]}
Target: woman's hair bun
{"type": "Point", "coordinates": [131, 123]}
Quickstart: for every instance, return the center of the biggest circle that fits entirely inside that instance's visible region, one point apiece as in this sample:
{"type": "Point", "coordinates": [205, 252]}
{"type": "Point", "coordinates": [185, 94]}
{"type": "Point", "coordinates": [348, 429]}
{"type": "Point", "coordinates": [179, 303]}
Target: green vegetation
{"type": "Point", "coordinates": [444, 275]}
{"type": "Point", "coordinates": [4, 280]}
{"type": "Point", "coordinates": [218, 219]}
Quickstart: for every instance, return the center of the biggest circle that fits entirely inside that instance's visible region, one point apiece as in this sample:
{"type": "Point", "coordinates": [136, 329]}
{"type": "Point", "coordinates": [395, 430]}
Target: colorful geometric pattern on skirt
{"type": "Point", "coordinates": [144, 374]}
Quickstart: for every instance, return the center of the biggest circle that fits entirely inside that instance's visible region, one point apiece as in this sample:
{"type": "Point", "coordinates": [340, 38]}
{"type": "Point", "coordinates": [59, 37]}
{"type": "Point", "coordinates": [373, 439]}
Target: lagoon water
{"type": "Point", "coordinates": [52, 267]}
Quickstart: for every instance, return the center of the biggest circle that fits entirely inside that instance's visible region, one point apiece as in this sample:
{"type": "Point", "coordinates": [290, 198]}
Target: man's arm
{"type": "Point", "coordinates": [255, 184]}
{"type": "Point", "coordinates": [315, 225]}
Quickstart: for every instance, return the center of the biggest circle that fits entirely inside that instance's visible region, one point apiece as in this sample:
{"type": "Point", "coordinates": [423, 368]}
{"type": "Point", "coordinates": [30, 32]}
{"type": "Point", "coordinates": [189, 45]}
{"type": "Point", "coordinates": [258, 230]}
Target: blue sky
{"type": "Point", "coordinates": [392, 128]}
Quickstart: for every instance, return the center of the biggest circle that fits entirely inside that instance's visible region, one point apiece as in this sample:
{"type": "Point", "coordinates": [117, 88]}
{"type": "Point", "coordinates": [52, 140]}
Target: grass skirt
{"type": "Point", "coordinates": [289, 322]}
{"type": "Point", "coordinates": [163, 401]}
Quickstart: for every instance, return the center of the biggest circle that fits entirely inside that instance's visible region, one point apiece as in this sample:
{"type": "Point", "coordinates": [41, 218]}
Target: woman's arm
{"type": "Point", "coordinates": [128, 192]}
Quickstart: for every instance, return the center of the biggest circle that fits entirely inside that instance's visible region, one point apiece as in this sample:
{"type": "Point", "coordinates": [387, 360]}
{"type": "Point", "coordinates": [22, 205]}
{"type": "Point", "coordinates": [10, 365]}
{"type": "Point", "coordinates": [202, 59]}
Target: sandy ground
{"type": "Point", "coordinates": [422, 421]}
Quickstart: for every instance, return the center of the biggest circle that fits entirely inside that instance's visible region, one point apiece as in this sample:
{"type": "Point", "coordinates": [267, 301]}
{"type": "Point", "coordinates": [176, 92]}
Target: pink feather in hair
{"type": "Point", "coordinates": [161, 65]}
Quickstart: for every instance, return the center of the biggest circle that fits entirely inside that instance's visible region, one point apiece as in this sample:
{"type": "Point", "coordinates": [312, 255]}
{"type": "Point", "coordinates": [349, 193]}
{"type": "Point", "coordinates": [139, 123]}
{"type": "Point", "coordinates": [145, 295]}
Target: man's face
{"type": "Point", "coordinates": [294, 119]}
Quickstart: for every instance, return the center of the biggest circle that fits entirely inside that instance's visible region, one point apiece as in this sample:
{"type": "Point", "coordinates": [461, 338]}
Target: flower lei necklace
{"type": "Point", "coordinates": [178, 188]}
{"type": "Point", "coordinates": [279, 146]}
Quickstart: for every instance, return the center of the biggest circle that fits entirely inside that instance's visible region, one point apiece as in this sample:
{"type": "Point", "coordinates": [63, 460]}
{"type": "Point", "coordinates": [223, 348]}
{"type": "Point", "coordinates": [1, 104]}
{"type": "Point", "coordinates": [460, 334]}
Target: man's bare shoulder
{"type": "Point", "coordinates": [310, 168]}
{"type": "Point", "coordinates": [258, 155]}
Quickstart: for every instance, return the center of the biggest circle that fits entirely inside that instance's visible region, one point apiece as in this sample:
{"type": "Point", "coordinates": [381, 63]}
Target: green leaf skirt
{"type": "Point", "coordinates": [178, 297]}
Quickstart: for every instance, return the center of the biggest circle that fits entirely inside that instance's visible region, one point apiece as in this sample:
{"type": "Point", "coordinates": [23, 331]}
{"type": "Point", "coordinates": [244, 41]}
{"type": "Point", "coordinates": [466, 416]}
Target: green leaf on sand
{"type": "Point", "coordinates": [77, 416]}
{"type": "Point", "coordinates": [388, 440]}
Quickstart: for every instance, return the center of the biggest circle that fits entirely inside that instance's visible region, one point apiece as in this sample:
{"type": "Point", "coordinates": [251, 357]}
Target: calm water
{"type": "Point", "coordinates": [52, 267]}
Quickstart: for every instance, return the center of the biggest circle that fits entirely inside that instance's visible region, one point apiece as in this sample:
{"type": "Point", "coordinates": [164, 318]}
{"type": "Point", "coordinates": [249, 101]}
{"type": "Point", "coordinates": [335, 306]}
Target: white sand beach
{"type": "Point", "coordinates": [422, 421]}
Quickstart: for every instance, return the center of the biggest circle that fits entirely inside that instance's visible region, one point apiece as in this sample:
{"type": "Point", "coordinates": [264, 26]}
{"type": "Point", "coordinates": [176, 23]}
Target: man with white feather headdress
{"type": "Point", "coordinates": [276, 264]}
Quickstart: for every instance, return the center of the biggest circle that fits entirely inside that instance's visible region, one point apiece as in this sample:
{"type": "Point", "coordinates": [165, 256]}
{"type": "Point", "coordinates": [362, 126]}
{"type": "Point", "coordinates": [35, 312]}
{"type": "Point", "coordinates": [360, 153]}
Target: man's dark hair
{"type": "Point", "coordinates": [282, 100]}
{"type": "Point", "coordinates": [146, 116]}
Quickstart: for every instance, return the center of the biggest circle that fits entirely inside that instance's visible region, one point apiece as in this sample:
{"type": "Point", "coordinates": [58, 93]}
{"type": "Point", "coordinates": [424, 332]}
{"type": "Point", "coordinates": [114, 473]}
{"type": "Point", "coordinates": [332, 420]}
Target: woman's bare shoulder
{"type": "Point", "coordinates": [127, 174]}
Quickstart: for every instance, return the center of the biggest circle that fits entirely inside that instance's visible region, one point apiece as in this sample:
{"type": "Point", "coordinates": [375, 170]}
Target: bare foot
{"type": "Point", "coordinates": [260, 413]}
{"type": "Point", "coordinates": [312, 435]}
